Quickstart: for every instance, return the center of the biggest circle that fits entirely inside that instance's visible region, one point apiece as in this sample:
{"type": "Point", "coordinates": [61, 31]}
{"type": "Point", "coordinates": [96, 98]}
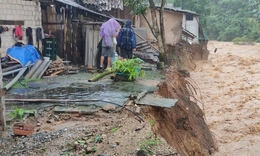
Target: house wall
{"type": "Point", "coordinates": [192, 26]}
{"type": "Point", "coordinates": [91, 42]}
{"type": "Point", "coordinates": [172, 25]}
{"type": "Point", "coordinates": [27, 11]}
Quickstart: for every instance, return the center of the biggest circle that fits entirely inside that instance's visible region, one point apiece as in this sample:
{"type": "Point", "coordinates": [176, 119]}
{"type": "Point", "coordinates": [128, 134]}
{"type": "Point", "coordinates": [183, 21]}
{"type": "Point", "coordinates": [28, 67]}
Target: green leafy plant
{"type": "Point", "coordinates": [149, 143]}
{"type": "Point", "coordinates": [19, 113]}
{"type": "Point", "coordinates": [97, 139]}
{"type": "Point", "coordinates": [94, 149]}
{"type": "Point", "coordinates": [115, 129]}
{"type": "Point", "coordinates": [129, 67]}
{"type": "Point", "coordinates": [43, 150]}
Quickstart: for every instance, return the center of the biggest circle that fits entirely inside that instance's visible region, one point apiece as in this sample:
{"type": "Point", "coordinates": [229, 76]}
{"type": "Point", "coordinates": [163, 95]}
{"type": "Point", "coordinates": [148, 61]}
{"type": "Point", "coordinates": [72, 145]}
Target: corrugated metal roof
{"type": "Point", "coordinates": [106, 4]}
{"type": "Point", "coordinates": [74, 4]}
{"type": "Point", "coordinates": [179, 10]}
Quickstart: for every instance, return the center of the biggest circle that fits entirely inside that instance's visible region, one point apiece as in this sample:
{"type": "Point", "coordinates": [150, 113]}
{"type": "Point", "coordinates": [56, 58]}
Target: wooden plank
{"type": "Point", "coordinates": [2, 94]}
{"type": "Point", "coordinates": [34, 68]}
{"type": "Point", "coordinates": [11, 71]}
{"type": "Point", "coordinates": [11, 68]}
{"type": "Point", "coordinates": [11, 22]}
{"type": "Point", "coordinates": [44, 69]}
{"type": "Point", "coordinates": [145, 40]}
{"type": "Point", "coordinates": [10, 84]}
{"type": "Point", "coordinates": [2, 103]}
{"type": "Point", "coordinates": [38, 71]}
{"type": "Point", "coordinates": [140, 43]}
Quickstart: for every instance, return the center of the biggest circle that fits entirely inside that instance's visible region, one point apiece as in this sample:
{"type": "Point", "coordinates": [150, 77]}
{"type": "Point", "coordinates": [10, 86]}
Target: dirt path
{"type": "Point", "coordinates": [229, 82]}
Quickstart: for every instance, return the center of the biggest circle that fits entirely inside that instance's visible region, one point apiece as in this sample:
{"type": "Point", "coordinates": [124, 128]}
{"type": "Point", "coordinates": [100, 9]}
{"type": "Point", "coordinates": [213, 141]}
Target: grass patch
{"type": "Point", "coordinates": [24, 83]}
{"type": "Point", "coordinates": [152, 122]}
{"type": "Point", "coordinates": [149, 143]}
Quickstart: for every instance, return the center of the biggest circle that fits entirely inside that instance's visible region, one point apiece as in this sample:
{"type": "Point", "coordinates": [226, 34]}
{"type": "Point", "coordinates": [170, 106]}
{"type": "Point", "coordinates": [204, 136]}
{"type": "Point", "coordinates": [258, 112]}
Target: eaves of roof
{"type": "Point", "coordinates": [76, 5]}
{"type": "Point", "coordinates": [188, 33]}
{"type": "Point", "coordinates": [179, 10]}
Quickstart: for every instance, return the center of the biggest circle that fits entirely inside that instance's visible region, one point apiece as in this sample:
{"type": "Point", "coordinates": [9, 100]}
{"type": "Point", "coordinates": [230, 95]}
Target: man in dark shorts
{"type": "Point", "coordinates": [108, 30]}
{"type": "Point", "coordinates": [126, 41]}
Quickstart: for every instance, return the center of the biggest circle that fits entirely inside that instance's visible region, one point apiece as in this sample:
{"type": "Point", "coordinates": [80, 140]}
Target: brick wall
{"type": "Point", "coordinates": [27, 11]}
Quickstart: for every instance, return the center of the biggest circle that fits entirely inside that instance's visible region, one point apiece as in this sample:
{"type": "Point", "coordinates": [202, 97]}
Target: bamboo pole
{"type": "Point", "coordinates": [99, 76]}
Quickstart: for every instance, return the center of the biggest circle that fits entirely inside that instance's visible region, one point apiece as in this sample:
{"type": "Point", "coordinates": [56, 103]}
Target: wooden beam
{"type": "Point", "coordinates": [11, 22]}
{"type": "Point", "coordinates": [53, 23]}
{"type": "Point", "coordinates": [2, 102]}
{"type": "Point", "coordinates": [2, 92]}
{"type": "Point", "coordinates": [10, 84]}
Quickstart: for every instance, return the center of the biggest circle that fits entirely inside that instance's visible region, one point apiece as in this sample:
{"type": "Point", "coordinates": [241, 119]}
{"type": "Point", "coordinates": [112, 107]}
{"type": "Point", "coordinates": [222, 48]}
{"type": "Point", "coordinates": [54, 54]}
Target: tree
{"type": "Point", "coordinates": [231, 19]}
{"type": "Point", "coordinates": [139, 7]}
{"type": "Point", "coordinates": [198, 6]}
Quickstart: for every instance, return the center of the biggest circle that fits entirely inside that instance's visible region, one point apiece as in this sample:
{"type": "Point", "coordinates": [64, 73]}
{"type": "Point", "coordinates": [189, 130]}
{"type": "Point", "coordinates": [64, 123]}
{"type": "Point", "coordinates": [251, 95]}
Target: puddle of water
{"type": "Point", "coordinates": [116, 92]}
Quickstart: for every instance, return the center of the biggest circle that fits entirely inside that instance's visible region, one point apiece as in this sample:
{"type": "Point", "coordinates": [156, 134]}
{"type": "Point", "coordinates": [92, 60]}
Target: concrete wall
{"type": "Point", "coordinates": [192, 26]}
{"type": "Point", "coordinates": [172, 25]}
{"type": "Point", "coordinates": [141, 32]}
{"type": "Point", "coordinates": [27, 11]}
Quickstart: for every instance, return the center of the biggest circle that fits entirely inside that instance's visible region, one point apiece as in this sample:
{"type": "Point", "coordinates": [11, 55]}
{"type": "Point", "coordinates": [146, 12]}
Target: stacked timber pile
{"type": "Point", "coordinates": [55, 68]}
{"type": "Point", "coordinates": [72, 70]}
{"type": "Point", "coordinates": [58, 66]}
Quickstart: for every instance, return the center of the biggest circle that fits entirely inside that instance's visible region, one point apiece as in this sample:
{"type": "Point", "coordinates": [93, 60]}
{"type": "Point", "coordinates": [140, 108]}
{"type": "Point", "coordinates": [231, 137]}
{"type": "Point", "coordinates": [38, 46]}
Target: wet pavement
{"type": "Point", "coordinates": [77, 87]}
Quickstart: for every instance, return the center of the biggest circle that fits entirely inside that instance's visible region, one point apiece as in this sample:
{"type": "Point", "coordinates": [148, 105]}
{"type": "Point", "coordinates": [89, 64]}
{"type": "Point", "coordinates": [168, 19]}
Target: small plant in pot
{"type": "Point", "coordinates": [129, 68]}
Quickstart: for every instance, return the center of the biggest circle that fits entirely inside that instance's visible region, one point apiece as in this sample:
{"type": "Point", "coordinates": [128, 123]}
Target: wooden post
{"type": "Point", "coordinates": [2, 101]}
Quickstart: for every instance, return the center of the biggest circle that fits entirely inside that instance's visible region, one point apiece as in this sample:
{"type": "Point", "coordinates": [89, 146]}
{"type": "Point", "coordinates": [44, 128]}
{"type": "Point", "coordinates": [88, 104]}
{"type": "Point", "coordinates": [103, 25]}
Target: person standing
{"type": "Point", "coordinates": [108, 30]}
{"type": "Point", "coordinates": [126, 41]}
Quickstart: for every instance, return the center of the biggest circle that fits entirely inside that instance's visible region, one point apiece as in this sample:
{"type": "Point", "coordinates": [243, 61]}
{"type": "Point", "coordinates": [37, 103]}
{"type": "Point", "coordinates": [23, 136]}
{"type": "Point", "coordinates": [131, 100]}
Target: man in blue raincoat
{"type": "Point", "coordinates": [126, 41]}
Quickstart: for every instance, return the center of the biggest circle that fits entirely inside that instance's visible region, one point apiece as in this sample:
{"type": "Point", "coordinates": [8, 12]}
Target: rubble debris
{"type": "Point", "coordinates": [22, 129]}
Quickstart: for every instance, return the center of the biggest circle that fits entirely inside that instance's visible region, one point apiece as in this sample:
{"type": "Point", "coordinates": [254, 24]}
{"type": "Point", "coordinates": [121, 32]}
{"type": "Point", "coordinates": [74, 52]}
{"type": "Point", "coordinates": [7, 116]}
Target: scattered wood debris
{"type": "Point", "coordinates": [58, 67]}
{"type": "Point", "coordinates": [55, 68]}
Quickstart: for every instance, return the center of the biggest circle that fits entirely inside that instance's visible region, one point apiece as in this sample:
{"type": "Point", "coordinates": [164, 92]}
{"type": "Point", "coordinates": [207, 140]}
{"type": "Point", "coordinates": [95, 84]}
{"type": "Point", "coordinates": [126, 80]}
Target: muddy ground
{"type": "Point", "coordinates": [110, 130]}
{"type": "Point", "coordinates": [230, 86]}
{"type": "Point", "coordinates": [228, 89]}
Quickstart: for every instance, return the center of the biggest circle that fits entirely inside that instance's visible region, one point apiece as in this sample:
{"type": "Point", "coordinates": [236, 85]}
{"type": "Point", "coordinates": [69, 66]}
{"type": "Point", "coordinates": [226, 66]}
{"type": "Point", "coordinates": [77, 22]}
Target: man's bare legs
{"type": "Point", "coordinates": [101, 61]}
{"type": "Point", "coordinates": [108, 62]}
{"type": "Point", "coordinates": [102, 58]}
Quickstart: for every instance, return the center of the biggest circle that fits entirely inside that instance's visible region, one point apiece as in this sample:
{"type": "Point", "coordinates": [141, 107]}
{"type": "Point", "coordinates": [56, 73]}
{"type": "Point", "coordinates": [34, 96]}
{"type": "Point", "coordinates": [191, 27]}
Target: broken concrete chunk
{"type": "Point", "coordinates": [109, 107]}
{"type": "Point", "coordinates": [138, 110]}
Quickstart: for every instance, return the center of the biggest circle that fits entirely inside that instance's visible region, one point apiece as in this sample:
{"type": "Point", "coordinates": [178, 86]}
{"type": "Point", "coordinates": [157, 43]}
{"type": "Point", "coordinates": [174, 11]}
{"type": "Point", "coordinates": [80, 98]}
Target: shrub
{"type": "Point", "coordinates": [129, 67]}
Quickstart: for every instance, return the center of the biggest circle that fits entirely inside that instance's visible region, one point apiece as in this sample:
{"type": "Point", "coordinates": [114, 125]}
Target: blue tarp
{"type": "Point", "coordinates": [24, 54]}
